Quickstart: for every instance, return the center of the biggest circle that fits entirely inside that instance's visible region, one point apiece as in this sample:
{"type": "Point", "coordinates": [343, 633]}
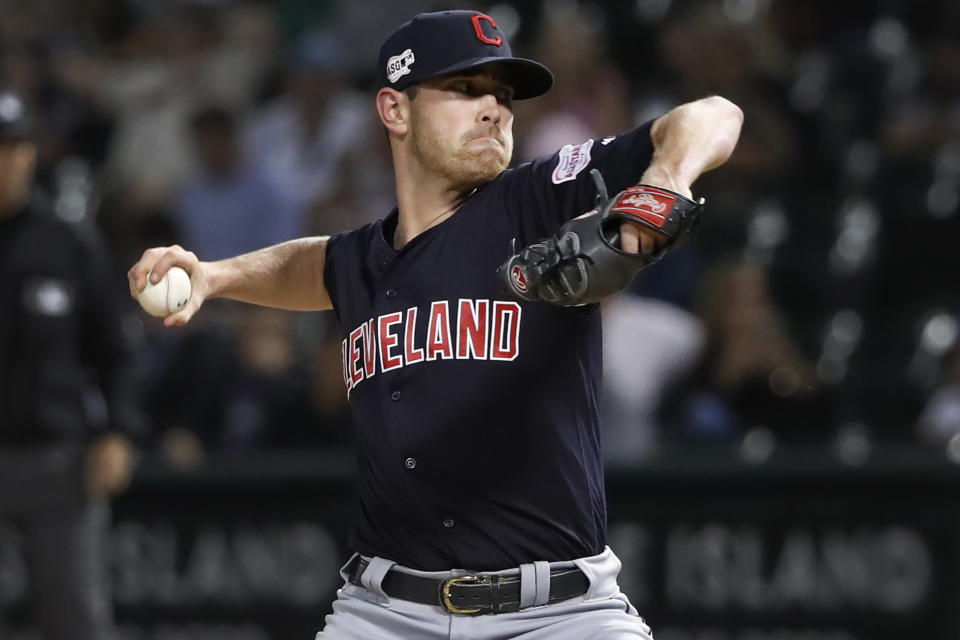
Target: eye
{"type": "Point", "coordinates": [460, 86]}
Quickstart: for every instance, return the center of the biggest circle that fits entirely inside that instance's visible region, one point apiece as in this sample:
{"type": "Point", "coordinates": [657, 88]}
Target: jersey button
{"type": "Point", "coordinates": [410, 463]}
{"type": "Point", "coordinates": [448, 523]}
{"type": "Point", "coordinates": [395, 395]}
{"type": "Point", "coordinates": [391, 293]}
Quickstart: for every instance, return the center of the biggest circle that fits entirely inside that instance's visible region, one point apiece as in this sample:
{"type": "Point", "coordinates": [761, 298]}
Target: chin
{"type": "Point", "coordinates": [467, 170]}
{"type": "Point", "coordinates": [487, 165]}
{"type": "Point", "coordinates": [472, 179]}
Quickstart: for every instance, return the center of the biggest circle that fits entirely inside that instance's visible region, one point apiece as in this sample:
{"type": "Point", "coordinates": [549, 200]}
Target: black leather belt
{"type": "Point", "coordinates": [476, 594]}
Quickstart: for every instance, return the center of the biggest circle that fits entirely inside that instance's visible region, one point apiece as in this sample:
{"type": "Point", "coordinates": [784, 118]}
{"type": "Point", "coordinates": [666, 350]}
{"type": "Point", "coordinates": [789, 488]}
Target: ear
{"type": "Point", "coordinates": [394, 109]}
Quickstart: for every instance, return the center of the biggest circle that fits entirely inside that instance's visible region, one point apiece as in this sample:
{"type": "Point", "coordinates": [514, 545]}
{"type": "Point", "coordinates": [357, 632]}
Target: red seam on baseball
{"type": "Point", "coordinates": [167, 297]}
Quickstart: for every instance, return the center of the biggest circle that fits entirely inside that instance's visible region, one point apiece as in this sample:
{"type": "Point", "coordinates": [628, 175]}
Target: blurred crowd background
{"type": "Point", "coordinates": [816, 307]}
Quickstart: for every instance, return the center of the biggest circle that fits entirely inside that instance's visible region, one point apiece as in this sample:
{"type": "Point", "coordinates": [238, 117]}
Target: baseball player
{"type": "Point", "coordinates": [472, 346]}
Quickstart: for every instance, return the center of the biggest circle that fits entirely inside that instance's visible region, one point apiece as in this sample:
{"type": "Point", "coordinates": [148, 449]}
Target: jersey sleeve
{"type": "Point", "coordinates": [543, 194]}
{"type": "Point", "coordinates": [331, 268]}
{"type": "Point", "coordinates": [345, 266]}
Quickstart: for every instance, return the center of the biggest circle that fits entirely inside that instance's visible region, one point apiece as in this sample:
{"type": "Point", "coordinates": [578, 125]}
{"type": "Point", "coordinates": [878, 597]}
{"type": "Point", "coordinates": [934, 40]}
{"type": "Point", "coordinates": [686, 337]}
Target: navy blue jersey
{"type": "Point", "coordinates": [476, 415]}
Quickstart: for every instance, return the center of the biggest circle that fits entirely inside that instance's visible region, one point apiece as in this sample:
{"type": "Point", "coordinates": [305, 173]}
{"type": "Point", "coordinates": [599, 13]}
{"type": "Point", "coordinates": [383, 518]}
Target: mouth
{"type": "Point", "coordinates": [486, 140]}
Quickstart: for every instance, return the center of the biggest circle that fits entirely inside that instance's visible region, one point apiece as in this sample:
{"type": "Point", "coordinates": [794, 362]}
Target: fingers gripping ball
{"type": "Point", "coordinates": [167, 296]}
{"type": "Point", "coordinates": [583, 262]}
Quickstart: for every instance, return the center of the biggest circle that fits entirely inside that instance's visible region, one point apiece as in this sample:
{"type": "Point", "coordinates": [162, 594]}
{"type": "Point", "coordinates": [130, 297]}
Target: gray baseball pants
{"type": "Point", "coordinates": [64, 538]}
{"type": "Point", "coordinates": [366, 613]}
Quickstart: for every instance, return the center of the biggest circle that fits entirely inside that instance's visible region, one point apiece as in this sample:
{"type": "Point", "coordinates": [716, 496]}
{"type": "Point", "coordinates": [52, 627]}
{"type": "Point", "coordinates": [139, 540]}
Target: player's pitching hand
{"type": "Point", "coordinates": [154, 264]}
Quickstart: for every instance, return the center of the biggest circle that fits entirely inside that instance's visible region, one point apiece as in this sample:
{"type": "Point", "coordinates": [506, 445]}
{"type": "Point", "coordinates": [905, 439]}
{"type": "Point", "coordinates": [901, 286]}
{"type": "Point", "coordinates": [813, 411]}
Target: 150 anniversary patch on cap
{"type": "Point", "coordinates": [399, 66]}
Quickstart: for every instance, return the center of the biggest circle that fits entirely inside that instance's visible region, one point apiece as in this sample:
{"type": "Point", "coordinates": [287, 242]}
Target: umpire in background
{"type": "Point", "coordinates": [62, 375]}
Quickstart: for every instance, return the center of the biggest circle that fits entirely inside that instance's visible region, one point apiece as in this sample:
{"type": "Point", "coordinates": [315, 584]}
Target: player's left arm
{"type": "Point", "coordinates": [588, 259]}
{"type": "Point", "coordinates": [688, 141]}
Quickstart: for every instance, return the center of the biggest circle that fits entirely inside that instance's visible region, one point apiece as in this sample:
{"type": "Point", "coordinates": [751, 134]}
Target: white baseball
{"type": "Point", "coordinates": [167, 296]}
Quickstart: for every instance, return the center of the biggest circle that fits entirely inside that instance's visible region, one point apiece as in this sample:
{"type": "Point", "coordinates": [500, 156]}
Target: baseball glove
{"type": "Point", "coordinates": [583, 262]}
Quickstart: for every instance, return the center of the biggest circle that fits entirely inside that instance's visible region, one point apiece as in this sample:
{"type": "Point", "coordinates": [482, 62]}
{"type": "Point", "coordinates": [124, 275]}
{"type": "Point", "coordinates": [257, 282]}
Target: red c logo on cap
{"type": "Point", "coordinates": [479, 29]}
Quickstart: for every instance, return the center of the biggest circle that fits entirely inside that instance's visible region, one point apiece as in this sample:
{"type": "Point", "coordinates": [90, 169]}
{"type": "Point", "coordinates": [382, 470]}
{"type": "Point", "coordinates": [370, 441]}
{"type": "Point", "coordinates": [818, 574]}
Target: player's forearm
{"type": "Point", "coordinates": [690, 140]}
{"type": "Point", "coordinates": [286, 276]}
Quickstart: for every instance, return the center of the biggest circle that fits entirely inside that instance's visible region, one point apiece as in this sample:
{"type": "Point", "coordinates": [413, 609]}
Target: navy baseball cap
{"type": "Point", "coordinates": [14, 120]}
{"type": "Point", "coordinates": [444, 42]}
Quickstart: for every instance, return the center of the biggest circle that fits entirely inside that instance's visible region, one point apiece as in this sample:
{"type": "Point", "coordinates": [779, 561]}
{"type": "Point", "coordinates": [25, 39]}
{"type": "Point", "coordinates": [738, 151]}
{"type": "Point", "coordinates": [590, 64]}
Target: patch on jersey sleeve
{"type": "Point", "coordinates": [573, 159]}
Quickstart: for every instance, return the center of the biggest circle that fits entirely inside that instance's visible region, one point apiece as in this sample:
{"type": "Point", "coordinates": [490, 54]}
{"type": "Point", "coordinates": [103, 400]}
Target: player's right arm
{"type": "Point", "coordinates": [286, 276]}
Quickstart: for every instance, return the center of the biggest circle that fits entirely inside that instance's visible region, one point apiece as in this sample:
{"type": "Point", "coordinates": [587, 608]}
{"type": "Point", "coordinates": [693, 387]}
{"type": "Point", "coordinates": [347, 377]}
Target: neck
{"type": "Point", "coordinates": [423, 200]}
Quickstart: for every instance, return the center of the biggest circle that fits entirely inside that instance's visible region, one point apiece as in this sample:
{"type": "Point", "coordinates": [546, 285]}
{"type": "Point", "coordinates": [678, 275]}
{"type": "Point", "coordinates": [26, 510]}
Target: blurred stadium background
{"type": "Point", "coordinates": [783, 406]}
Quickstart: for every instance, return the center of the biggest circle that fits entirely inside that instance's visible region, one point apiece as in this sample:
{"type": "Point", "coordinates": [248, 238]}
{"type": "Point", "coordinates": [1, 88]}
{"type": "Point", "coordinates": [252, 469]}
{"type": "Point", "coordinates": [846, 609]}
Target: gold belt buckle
{"type": "Point", "coordinates": [445, 593]}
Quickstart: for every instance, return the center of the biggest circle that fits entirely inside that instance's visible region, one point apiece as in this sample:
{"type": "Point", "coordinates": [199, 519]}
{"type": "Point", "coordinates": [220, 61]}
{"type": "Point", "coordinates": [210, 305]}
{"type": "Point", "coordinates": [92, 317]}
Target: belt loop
{"type": "Point", "coordinates": [373, 576]}
{"type": "Point", "coordinates": [495, 594]}
{"type": "Point", "coordinates": [542, 570]}
{"type": "Point", "coordinates": [528, 585]}
{"type": "Point", "coordinates": [347, 569]}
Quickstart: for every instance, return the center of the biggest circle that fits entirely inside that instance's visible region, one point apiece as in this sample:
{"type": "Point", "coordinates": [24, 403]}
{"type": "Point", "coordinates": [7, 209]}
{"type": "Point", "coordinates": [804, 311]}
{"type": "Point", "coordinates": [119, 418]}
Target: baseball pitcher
{"type": "Point", "coordinates": [472, 340]}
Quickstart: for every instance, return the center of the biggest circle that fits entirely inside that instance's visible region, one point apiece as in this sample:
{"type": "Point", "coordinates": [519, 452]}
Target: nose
{"type": "Point", "coordinates": [490, 110]}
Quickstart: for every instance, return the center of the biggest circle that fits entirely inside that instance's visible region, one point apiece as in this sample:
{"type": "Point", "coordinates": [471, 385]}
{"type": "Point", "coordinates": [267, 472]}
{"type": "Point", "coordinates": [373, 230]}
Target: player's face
{"type": "Point", "coordinates": [17, 161]}
{"type": "Point", "coordinates": [461, 126]}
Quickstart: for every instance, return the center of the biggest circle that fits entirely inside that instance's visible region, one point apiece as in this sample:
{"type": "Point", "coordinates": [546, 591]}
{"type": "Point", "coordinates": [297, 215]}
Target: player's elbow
{"type": "Point", "coordinates": [723, 112]}
{"type": "Point", "coordinates": [714, 114]}
{"type": "Point", "coordinates": [725, 119]}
